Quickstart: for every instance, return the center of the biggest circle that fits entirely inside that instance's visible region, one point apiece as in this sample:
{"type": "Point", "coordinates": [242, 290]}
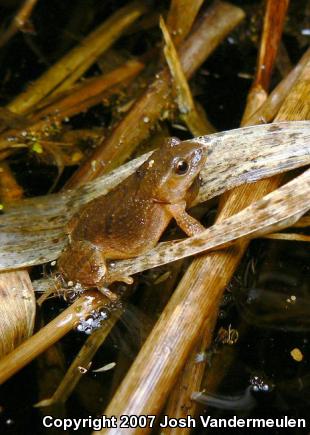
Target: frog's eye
{"type": "Point", "coordinates": [181, 167]}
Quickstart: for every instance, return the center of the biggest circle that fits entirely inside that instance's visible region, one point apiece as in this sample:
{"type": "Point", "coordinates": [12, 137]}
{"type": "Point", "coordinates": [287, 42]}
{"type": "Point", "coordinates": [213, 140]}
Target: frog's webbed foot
{"type": "Point", "coordinates": [187, 223]}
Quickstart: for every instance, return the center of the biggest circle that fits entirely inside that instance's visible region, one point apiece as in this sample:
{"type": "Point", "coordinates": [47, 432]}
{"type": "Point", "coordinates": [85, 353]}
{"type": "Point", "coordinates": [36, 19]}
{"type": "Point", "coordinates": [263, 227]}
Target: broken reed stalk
{"type": "Point", "coordinates": [77, 100]}
{"type": "Point", "coordinates": [195, 121]}
{"type": "Point", "coordinates": [81, 58]}
{"type": "Point", "coordinates": [87, 94]}
{"type": "Point", "coordinates": [181, 16]}
{"type": "Point", "coordinates": [271, 106]}
{"type": "Point", "coordinates": [51, 333]}
{"type": "Point", "coordinates": [204, 281]}
{"type": "Point", "coordinates": [274, 19]}
{"type": "Point", "coordinates": [212, 28]}
{"type": "Point", "coordinates": [19, 21]}
{"type": "Point", "coordinates": [272, 31]}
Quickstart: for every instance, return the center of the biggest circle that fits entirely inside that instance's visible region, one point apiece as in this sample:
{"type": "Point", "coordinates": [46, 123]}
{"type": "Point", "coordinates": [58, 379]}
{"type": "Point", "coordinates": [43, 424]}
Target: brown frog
{"type": "Point", "coordinates": [131, 218]}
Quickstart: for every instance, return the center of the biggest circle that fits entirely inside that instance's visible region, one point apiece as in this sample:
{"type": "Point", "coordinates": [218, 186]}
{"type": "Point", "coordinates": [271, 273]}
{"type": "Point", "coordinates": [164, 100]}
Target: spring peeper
{"type": "Point", "coordinates": [131, 218]}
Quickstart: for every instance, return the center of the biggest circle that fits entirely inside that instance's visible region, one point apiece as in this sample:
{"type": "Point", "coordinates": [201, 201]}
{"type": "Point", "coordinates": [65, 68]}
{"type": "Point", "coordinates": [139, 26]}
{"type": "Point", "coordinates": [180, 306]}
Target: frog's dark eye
{"type": "Point", "coordinates": [181, 167]}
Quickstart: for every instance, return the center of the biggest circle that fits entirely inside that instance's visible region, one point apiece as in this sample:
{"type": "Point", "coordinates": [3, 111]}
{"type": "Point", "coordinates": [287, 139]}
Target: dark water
{"type": "Point", "coordinates": [268, 301]}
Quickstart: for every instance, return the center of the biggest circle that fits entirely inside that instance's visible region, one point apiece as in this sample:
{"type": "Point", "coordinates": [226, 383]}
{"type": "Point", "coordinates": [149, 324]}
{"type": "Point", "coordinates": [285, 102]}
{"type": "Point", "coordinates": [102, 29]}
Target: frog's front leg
{"type": "Point", "coordinates": [187, 223]}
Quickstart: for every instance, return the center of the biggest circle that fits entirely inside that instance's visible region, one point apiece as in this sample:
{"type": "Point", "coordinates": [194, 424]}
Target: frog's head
{"type": "Point", "coordinates": [172, 169]}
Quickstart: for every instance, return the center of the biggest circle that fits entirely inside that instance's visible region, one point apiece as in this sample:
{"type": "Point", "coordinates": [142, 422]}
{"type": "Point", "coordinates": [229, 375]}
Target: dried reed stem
{"type": "Point", "coordinates": [50, 333]}
{"type": "Point", "coordinates": [272, 31]}
{"type": "Point", "coordinates": [80, 58]}
{"type": "Point", "coordinates": [216, 23]}
{"type": "Point", "coordinates": [19, 21]}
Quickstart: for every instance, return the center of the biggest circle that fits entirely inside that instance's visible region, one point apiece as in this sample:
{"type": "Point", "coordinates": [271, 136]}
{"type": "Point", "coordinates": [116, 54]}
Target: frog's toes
{"type": "Point", "coordinates": [118, 277]}
{"type": "Point", "coordinates": [109, 294]}
{"type": "Point", "coordinates": [126, 279]}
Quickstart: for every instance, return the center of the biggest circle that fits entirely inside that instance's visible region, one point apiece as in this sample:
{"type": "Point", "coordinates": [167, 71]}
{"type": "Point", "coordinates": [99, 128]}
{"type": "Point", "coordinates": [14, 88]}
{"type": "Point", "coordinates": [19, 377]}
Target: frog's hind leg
{"type": "Point", "coordinates": [82, 262]}
{"type": "Point", "coordinates": [187, 223]}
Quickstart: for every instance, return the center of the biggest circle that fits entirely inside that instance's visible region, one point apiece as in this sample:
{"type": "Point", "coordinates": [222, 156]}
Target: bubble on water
{"type": "Point", "coordinates": [259, 384]}
{"type": "Point", "coordinates": [104, 315]}
{"type": "Point", "coordinates": [222, 314]}
{"type": "Point", "coordinates": [92, 322]}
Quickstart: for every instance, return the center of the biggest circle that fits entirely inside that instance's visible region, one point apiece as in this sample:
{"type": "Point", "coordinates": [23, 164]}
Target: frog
{"type": "Point", "coordinates": [131, 218]}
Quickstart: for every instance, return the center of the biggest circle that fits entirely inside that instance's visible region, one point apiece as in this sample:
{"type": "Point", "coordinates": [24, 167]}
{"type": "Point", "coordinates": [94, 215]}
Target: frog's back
{"type": "Point", "coordinates": [124, 223]}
